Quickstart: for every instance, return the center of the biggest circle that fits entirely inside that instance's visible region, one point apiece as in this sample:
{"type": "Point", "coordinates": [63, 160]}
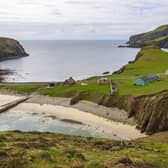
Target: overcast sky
{"type": "Point", "coordinates": [80, 19]}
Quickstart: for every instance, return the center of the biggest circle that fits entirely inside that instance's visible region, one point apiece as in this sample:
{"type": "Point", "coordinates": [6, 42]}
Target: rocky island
{"type": "Point", "coordinates": [10, 49]}
{"type": "Point", "coordinates": [157, 37]}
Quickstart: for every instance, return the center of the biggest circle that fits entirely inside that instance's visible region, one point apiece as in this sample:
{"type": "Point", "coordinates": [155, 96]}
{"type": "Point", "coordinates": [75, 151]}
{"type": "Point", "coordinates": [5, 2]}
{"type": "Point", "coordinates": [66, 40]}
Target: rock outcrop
{"type": "Point", "coordinates": [151, 112]}
{"type": "Point", "coordinates": [157, 37]}
{"type": "Point", "coordinates": [10, 49]}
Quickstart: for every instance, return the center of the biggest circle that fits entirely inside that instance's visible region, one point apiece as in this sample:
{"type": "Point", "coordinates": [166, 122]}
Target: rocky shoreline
{"type": "Point", "coordinates": [10, 49]}
{"type": "Point", "coordinates": [3, 73]}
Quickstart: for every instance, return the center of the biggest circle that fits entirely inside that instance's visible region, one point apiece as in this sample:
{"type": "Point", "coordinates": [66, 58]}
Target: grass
{"type": "Point", "coordinates": [157, 86]}
{"type": "Point", "coordinates": [34, 150]}
{"type": "Point", "coordinates": [159, 29]}
{"type": "Point", "coordinates": [22, 88]}
{"type": "Point", "coordinates": [90, 91]}
{"type": "Point", "coordinates": [152, 60]}
{"type": "Point", "coordinates": [158, 39]}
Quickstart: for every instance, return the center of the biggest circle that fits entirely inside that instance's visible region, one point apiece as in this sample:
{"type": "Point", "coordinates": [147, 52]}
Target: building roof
{"type": "Point", "coordinates": [148, 77]}
{"type": "Point", "coordinates": [69, 81]}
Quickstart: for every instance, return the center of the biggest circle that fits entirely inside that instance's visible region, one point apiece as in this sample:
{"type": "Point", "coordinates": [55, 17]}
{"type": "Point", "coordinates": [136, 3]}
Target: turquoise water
{"type": "Point", "coordinates": [23, 121]}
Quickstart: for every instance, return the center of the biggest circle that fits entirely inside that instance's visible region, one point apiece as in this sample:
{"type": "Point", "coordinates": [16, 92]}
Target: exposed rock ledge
{"type": "Point", "coordinates": [10, 49]}
{"type": "Point", "coordinates": [151, 112]}
{"type": "Point", "coordinates": [157, 37]}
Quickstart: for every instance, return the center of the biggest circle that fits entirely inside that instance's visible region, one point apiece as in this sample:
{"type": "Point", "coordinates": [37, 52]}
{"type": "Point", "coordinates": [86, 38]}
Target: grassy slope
{"type": "Point", "coordinates": [158, 39]}
{"type": "Point", "coordinates": [34, 150]}
{"type": "Point", "coordinates": [159, 29]}
{"type": "Point", "coordinates": [153, 60]}
{"type": "Point", "coordinates": [10, 47]}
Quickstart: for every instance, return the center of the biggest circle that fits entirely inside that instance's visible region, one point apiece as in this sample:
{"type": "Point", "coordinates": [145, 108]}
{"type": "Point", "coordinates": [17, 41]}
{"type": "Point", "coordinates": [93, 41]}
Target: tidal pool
{"type": "Point", "coordinates": [23, 121]}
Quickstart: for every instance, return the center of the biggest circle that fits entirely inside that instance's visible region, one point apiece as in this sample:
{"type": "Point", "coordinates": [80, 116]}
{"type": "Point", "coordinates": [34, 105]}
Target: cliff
{"type": "Point", "coordinates": [151, 112]}
{"type": "Point", "coordinates": [149, 104]}
{"type": "Point", "coordinates": [157, 37]}
{"type": "Point", "coordinates": [10, 49]}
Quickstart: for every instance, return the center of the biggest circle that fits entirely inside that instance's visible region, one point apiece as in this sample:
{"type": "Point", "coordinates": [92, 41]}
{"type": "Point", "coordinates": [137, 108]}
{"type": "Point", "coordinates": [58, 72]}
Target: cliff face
{"type": "Point", "coordinates": [151, 112]}
{"type": "Point", "coordinates": [158, 37]}
{"type": "Point", "coordinates": [10, 49]}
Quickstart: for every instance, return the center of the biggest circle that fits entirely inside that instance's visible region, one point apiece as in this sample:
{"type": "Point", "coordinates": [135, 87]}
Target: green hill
{"type": "Point", "coordinates": [158, 37]}
{"type": "Point", "coordinates": [149, 60]}
{"type": "Point", "coordinates": [10, 48]}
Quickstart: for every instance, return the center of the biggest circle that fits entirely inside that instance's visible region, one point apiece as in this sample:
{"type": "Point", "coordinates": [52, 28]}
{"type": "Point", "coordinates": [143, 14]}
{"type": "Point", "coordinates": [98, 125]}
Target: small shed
{"type": "Point", "coordinates": [144, 80]}
{"type": "Point", "coordinates": [51, 84]}
{"type": "Point", "coordinates": [103, 81]}
{"type": "Point", "coordinates": [69, 82]}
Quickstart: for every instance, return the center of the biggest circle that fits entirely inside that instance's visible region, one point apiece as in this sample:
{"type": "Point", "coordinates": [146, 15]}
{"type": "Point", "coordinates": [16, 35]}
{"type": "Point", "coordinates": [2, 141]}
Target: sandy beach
{"type": "Point", "coordinates": [86, 106]}
{"type": "Point", "coordinates": [5, 99]}
{"type": "Point", "coordinates": [81, 114]}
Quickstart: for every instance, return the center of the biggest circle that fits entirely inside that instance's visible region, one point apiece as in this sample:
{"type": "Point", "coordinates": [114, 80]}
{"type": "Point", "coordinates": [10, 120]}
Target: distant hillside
{"type": "Point", "coordinates": [158, 37]}
{"type": "Point", "coordinates": [10, 48]}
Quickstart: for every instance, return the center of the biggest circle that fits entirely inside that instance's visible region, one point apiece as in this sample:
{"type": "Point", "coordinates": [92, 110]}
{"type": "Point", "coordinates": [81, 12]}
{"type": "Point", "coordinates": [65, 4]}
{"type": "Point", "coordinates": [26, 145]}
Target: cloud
{"type": "Point", "coordinates": [68, 31]}
{"type": "Point", "coordinates": [41, 19]}
{"type": "Point", "coordinates": [55, 12]}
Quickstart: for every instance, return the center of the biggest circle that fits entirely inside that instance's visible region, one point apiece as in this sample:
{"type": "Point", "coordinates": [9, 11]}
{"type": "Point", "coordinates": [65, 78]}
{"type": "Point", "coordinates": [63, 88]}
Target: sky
{"type": "Point", "coordinates": [80, 19]}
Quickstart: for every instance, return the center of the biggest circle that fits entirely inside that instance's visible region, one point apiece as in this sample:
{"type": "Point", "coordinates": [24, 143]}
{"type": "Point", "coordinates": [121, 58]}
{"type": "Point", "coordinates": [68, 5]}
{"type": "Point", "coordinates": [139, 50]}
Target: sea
{"type": "Point", "coordinates": [57, 60]}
